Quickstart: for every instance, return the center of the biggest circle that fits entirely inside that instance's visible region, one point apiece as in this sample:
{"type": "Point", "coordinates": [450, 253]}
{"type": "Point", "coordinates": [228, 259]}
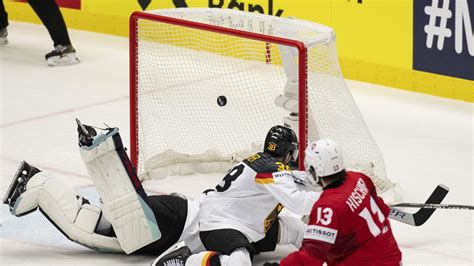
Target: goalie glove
{"type": "Point", "coordinates": [305, 179]}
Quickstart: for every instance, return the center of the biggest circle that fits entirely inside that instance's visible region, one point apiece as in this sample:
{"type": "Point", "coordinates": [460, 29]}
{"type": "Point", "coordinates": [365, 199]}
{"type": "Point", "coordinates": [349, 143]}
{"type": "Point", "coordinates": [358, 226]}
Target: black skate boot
{"type": "Point", "coordinates": [3, 36]}
{"type": "Point", "coordinates": [88, 136]}
{"type": "Point", "coordinates": [85, 133]}
{"type": "Point", "coordinates": [175, 258]}
{"type": "Point", "coordinates": [62, 55]}
{"type": "Point", "coordinates": [24, 173]}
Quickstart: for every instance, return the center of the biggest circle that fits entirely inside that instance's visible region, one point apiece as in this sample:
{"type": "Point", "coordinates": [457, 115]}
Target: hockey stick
{"type": "Point", "coordinates": [435, 206]}
{"type": "Point", "coordinates": [422, 215]}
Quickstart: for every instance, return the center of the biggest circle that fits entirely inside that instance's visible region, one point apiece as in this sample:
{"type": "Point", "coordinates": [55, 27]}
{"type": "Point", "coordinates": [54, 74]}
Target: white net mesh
{"type": "Point", "coordinates": [181, 72]}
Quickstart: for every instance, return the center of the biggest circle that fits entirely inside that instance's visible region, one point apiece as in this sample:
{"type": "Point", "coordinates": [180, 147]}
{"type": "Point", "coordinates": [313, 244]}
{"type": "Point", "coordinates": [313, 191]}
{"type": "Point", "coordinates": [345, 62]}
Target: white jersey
{"type": "Point", "coordinates": [190, 234]}
{"type": "Point", "coordinates": [251, 195]}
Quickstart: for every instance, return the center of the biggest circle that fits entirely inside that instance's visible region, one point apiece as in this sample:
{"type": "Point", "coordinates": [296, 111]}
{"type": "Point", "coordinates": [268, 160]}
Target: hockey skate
{"type": "Point", "coordinates": [3, 36]}
{"type": "Point", "coordinates": [175, 258]}
{"type": "Point", "coordinates": [62, 55]}
{"type": "Point", "coordinates": [85, 133]}
{"type": "Point", "coordinates": [24, 173]}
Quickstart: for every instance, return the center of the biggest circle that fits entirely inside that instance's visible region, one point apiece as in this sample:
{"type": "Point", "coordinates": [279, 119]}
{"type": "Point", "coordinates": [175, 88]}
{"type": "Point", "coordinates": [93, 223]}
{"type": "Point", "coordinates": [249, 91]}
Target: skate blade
{"type": "Point", "coordinates": [14, 182]}
{"type": "Point", "coordinates": [82, 128]}
{"type": "Point", "coordinates": [69, 59]}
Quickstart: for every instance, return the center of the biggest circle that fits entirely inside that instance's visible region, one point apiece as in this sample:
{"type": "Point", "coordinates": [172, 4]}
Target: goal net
{"type": "Point", "coordinates": [205, 83]}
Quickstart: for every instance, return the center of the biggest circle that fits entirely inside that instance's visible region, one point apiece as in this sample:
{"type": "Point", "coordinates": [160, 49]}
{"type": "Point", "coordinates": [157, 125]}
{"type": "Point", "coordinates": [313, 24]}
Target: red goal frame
{"type": "Point", "coordinates": [133, 45]}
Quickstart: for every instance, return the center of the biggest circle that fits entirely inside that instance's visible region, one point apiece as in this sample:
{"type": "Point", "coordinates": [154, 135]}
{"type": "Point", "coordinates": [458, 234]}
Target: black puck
{"type": "Point", "coordinates": [221, 100]}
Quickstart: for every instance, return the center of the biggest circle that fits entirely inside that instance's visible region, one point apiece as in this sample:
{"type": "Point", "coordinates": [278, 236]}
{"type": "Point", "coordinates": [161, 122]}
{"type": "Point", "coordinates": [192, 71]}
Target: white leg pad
{"type": "Point", "coordinates": [289, 59]}
{"type": "Point", "coordinates": [132, 219]}
{"type": "Point", "coordinates": [287, 103]}
{"type": "Point", "coordinates": [291, 90]}
{"type": "Point", "coordinates": [289, 99]}
{"type": "Point", "coordinates": [64, 208]}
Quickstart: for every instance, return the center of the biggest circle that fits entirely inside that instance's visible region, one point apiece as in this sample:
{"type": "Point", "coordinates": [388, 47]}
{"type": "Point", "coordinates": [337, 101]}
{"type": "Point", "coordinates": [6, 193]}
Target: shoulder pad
{"type": "Point", "coordinates": [264, 163]}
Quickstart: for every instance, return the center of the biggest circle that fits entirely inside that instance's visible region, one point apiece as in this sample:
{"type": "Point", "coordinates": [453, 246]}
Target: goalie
{"type": "Point", "coordinates": [128, 221]}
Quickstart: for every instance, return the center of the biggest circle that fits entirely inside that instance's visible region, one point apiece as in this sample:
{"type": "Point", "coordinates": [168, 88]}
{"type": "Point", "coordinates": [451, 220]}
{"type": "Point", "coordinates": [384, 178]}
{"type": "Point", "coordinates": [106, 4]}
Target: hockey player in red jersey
{"type": "Point", "coordinates": [349, 224]}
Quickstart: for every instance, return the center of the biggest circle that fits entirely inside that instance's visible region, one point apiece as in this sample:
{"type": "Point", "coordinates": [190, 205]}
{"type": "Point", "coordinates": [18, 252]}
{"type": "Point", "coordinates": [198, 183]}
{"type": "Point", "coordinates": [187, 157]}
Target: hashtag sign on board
{"type": "Point", "coordinates": [448, 25]}
{"type": "Point", "coordinates": [434, 11]}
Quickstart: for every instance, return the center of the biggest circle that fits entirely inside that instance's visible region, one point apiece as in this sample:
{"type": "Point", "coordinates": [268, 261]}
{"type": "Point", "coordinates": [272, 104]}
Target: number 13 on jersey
{"type": "Point", "coordinates": [371, 214]}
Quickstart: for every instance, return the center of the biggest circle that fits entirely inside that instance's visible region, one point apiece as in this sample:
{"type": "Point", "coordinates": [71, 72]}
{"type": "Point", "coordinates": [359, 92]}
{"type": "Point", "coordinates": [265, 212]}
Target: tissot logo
{"type": "Point", "coordinates": [268, 9]}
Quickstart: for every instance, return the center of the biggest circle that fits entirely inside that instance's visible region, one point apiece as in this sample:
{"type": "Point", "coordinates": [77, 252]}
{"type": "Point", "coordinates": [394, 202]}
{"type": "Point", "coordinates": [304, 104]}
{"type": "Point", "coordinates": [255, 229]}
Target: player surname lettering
{"type": "Point", "coordinates": [358, 195]}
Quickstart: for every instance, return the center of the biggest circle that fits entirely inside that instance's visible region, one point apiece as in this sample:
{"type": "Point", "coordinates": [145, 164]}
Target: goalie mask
{"type": "Point", "coordinates": [280, 141]}
{"type": "Point", "coordinates": [323, 158]}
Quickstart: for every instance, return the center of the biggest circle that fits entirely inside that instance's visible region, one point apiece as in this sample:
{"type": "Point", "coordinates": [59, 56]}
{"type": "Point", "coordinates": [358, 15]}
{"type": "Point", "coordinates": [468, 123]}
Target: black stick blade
{"type": "Point", "coordinates": [422, 215]}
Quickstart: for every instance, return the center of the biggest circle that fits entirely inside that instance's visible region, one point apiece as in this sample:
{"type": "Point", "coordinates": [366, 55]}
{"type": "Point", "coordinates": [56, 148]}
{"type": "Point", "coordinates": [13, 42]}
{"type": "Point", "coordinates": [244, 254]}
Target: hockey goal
{"type": "Point", "coordinates": [203, 84]}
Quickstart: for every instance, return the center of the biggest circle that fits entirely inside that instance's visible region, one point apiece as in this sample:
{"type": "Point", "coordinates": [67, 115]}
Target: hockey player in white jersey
{"type": "Point", "coordinates": [246, 204]}
{"type": "Point", "coordinates": [117, 226]}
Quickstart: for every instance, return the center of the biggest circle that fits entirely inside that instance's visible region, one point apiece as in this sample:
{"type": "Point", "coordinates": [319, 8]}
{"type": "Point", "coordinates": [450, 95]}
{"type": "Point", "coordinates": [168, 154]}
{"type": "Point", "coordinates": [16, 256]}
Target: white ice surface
{"type": "Point", "coordinates": [425, 141]}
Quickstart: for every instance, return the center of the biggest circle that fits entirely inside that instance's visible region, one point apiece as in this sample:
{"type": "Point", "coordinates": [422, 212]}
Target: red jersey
{"type": "Point", "coordinates": [348, 225]}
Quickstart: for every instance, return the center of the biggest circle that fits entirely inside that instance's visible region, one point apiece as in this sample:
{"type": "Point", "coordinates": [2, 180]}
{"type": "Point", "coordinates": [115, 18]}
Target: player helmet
{"type": "Point", "coordinates": [280, 141]}
{"type": "Point", "coordinates": [323, 157]}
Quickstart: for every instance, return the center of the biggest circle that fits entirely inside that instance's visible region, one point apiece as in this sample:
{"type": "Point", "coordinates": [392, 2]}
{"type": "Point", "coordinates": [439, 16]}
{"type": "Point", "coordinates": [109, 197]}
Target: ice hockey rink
{"type": "Point", "coordinates": [425, 141]}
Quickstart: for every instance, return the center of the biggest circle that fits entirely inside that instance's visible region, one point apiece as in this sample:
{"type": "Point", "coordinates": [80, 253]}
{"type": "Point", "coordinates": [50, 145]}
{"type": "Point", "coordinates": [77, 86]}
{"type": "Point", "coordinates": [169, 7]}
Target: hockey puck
{"type": "Point", "coordinates": [221, 100]}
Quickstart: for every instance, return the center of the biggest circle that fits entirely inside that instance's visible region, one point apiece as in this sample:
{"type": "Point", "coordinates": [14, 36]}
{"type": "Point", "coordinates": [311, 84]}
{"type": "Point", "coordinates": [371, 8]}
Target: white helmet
{"type": "Point", "coordinates": [324, 156]}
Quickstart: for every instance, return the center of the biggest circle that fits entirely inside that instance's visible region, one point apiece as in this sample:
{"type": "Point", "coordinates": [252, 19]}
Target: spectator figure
{"type": "Point", "coordinates": [50, 14]}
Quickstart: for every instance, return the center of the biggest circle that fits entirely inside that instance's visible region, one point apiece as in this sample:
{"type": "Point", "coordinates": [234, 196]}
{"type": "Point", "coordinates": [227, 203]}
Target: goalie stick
{"type": "Point", "coordinates": [422, 215]}
{"type": "Point", "coordinates": [435, 206]}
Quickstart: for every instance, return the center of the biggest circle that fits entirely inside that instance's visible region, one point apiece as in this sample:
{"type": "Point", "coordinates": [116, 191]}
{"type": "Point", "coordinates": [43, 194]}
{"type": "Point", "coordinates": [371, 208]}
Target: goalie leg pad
{"type": "Point", "coordinates": [132, 219]}
{"type": "Point", "coordinates": [289, 99]}
{"type": "Point", "coordinates": [66, 210]}
{"type": "Point", "coordinates": [289, 58]}
{"type": "Point", "coordinates": [286, 103]}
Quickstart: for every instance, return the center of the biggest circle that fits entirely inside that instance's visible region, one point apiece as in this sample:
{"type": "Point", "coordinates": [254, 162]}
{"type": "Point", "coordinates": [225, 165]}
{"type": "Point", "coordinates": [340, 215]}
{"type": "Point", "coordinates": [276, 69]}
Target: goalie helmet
{"type": "Point", "coordinates": [323, 157]}
{"type": "Point", "coordinates": [281, 140]}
